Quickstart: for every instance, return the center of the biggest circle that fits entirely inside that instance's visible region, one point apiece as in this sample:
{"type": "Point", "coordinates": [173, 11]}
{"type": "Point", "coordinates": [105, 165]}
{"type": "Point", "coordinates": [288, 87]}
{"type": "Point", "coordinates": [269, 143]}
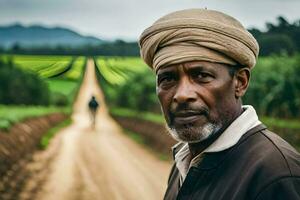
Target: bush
{"type": "Point", "coordinates": [59, 99]}
{"type": "Point", "coordinates": [279, 44]}
{"type": "Point", "coordinates": [138, 93]}
{"type": "Point", "coordinates": [20, 87]}
{"type": "Point", "coordinates": [275, 87]}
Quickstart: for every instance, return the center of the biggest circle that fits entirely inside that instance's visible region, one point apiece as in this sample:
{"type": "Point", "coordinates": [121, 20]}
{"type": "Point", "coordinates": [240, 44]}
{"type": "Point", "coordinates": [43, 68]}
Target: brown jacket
{"type": "Point", "coordinates": [261, 166]}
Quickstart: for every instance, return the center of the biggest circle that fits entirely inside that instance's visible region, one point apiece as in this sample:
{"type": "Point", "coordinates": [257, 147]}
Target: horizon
{"type": "Point", "coordinates": [126, 20]}
{"type": "Point", "coordinates": [29, 25]}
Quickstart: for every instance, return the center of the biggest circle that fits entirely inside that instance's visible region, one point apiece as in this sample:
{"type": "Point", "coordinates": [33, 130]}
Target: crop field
{"type": "Point", "coordinates": [44, 66]}
{"type": "Point", "coordinates": [116, 70]}
{"type": "Point", "coordinates": [77, 69]}
{"type": "Point", "coordinates": [49, 66]}
{"type": "Point", "coordinates": [62, 74]}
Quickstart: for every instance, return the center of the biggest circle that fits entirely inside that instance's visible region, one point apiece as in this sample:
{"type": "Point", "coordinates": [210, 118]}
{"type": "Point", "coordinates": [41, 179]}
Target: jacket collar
{"type": "Point", "coordinates": [213, 159]}
{"type": "Point", "coordinates": [245, 122]}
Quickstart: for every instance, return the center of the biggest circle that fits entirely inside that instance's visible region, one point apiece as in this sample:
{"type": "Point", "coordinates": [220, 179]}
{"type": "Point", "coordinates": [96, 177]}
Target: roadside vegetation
{"type": "Point", "coordinates": [275, 87]}
{"type": "Point", "coordinates": [10, 114]}
{"type": "Point", "coordinates": [21, 87]}
{"type": "Point", "coordinates": [45, 140]}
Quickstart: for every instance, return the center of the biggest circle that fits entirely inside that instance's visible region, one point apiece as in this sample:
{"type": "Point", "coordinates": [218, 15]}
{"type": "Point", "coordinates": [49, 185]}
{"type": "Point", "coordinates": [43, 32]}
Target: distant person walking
{"type": "Point", "coordinates": [93, 106]}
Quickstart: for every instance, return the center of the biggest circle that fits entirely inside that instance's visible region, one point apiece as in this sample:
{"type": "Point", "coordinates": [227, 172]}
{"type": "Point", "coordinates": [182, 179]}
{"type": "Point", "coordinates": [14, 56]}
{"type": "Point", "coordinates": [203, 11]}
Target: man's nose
{"type": "Point", "coordinates": [185, 92]}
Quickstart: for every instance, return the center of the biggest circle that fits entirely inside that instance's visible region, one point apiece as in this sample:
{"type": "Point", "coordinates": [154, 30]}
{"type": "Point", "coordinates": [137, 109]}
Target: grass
{"type": "Point", "coordinates": [62, 86]}
{"type": "Point", "coordinates": [45, 141]}
{"type": "Point", "coordinates": [138, 138]}
{"type": "Point", "coordinates": [66, 87]}
{"type": "Point", "coordinates": [125, 112]}
{"type": "Point", "coordinates": [281, 123]}
{"type": "Point", "coordinates": [13, 114]}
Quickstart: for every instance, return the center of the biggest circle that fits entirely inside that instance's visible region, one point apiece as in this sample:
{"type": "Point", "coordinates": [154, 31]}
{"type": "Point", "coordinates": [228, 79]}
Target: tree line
{"type": "Point", "coordinates": [280, 38]}
{"type": "Point", "coordinates": [116, 48]}
{"type": "Point", "coordinates": [21, 87]}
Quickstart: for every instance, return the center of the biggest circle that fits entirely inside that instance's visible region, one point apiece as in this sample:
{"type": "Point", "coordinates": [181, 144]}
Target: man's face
{"type": "Point", "coordinates": [197, 99]}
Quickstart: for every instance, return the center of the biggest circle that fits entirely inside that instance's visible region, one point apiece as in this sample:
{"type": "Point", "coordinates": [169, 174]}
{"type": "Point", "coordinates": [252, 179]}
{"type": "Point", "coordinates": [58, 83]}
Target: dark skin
{"type": "Point", "coordinates": [199, 92]}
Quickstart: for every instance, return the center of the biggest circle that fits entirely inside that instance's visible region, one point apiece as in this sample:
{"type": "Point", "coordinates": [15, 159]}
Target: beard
{"type": "Point", "coordinates": [194, 134]}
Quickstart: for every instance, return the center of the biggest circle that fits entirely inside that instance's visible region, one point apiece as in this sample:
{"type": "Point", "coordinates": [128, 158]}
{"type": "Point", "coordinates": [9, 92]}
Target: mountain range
{"type": "Point", "coordinates": [37, 35]}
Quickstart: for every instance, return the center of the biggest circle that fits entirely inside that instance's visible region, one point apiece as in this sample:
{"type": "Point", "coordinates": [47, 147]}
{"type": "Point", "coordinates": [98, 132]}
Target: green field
{"type": "Point", "coordinates": [47, 66]}
{"type": "Point", "coordinates": [63, 88]}
{"type": "Point", "coordinates": [77, 70]}
{"type": "Point", "coordinates": [44, 66]}
{"type": "Point", "coordinates": [12, 114]}
{"type": "Point", "coordinates": [117, 70]}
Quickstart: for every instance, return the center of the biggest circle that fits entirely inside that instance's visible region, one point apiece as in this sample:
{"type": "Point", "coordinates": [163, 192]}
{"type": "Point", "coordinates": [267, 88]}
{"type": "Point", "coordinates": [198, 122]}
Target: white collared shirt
{"type": "Point", "coordinates": [246, 121]}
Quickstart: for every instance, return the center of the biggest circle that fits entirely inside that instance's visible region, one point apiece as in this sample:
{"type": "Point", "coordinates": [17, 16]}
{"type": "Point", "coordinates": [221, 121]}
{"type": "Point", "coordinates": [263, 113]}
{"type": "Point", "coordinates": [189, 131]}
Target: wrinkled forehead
{"type": "Point", "coordinates": [186, 66]}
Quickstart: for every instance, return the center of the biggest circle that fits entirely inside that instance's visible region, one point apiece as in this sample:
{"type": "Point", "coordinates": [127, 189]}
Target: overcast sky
{"type": "Point", "coordinates": [126, 19]}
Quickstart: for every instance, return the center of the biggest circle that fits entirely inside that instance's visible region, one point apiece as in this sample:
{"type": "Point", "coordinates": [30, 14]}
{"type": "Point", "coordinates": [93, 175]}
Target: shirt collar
{"type": "Point", "coordinates": [246, 121]}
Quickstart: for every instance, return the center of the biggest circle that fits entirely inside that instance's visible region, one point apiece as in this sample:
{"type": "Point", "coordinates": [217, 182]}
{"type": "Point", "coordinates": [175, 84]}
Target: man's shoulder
{"type": "Point", "coordinates": [257, 165]}
{"type": "Point", "coordinates": [284, 151]}
{"type": "Point", "coordinates": [276, 165]}
{"type": "Point", "coordinates": [270, 152]}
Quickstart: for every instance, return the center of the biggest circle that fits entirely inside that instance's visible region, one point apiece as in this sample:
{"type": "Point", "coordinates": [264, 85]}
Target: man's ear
{"type": "Point", "coordinates": [242, 81]}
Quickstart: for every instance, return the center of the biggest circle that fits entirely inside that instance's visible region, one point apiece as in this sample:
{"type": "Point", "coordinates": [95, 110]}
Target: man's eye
{"type": "Point", "coordinates": [167, 79]}
{"type": "Point", "coordinates": [203, 77]}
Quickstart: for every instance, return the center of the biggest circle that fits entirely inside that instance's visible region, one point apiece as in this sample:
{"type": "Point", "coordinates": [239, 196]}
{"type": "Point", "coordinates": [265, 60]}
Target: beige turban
{"type": "Point", "coordinates": [197, 35]}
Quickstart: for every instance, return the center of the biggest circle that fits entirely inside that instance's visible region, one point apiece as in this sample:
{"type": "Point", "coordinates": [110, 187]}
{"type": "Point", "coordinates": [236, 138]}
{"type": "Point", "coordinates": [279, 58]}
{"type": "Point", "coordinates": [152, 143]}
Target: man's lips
{"type": "Point", "coordinates": [187, 117]}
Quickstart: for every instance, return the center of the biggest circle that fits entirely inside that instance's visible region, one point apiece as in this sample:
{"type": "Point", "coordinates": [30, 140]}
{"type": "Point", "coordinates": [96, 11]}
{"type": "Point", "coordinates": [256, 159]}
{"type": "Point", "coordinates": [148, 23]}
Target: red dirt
{"type": "Point", "coordinates": [16, 148]}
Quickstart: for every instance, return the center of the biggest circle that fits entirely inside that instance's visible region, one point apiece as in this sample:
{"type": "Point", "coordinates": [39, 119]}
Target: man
{"type": "Point", "coordinates": [93, 106]}
{"type": "Point", "coordinates": [203, 60]}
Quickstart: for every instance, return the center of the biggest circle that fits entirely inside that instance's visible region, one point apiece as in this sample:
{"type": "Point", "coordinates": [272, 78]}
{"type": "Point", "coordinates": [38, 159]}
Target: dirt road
{"type": "Point", "coordinates": [101, 163]}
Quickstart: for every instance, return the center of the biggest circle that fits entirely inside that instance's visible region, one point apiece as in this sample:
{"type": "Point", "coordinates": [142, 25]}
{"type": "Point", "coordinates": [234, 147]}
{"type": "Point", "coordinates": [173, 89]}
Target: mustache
{"type": "Point", "coordinates": [187, 107]}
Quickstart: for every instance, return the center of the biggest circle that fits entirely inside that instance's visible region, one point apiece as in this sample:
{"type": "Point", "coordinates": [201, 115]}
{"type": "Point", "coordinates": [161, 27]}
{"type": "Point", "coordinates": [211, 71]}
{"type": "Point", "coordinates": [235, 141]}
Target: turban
{"type": "Point", "coordinates": [197, 35]}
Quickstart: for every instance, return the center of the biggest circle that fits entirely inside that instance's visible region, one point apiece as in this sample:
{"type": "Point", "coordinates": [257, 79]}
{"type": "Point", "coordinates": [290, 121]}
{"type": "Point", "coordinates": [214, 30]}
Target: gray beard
{"type": "Point", "coordinates": [194, 134]}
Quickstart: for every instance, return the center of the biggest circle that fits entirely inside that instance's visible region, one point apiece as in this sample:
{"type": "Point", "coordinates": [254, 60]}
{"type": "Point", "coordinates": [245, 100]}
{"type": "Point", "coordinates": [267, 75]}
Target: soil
{"type": "Point", "coordinates": [156, 136]}
{"type": "Point", "coordinates": [83, 162]}
{"type": "Point", "coordinates": [16, 148]}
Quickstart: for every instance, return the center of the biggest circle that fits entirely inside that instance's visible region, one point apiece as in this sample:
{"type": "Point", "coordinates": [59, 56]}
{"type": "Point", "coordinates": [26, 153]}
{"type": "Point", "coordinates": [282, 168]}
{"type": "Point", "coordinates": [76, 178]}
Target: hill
{"type": "Point", "coordinates": [36, 35]}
